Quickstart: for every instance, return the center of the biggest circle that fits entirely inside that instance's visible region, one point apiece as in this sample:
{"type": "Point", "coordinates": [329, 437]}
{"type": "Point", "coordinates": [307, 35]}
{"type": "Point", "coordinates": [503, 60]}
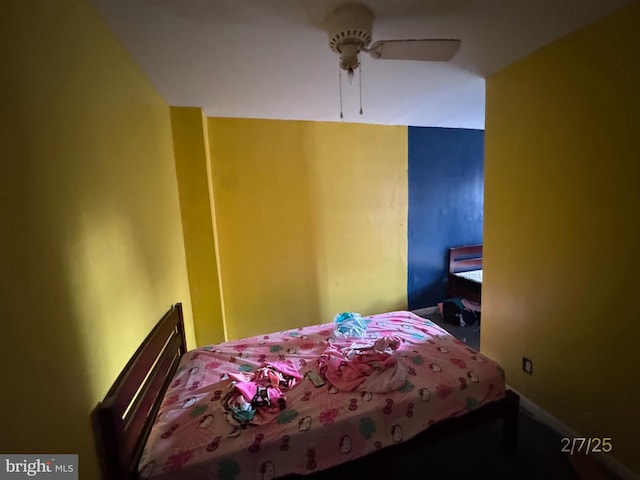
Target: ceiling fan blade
{"type": "Point", "coordinates": [430, 50]}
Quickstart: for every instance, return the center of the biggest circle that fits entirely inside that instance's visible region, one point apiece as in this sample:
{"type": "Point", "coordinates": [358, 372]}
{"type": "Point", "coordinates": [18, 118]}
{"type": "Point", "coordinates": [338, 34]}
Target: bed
{"type": "Point", "coordinates": [165, 417]}
{"type": "Point", "coordinates": [465, 273]}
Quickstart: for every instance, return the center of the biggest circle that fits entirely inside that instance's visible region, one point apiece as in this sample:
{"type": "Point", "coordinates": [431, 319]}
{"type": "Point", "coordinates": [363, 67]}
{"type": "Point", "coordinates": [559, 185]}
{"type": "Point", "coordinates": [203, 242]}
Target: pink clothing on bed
{"type": "Point", "coordinates": [286, 368]}
{"type": "Point", "coordinates": [261, 392]}
{"type": "Point", "coordinates": [387, 343]}
{"type": "Point", "coordinates": [391, 378]}
{"type": "Point", "coordinates": [363, 367]}
{"type": "Point", "coordinates": [250, 389]}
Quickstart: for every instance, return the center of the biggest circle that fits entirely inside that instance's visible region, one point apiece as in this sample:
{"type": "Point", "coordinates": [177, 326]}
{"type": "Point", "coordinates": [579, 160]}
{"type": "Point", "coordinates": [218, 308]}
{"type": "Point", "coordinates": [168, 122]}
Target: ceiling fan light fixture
{"type": "Point", "coordinates": [349, 25]}
{"type": "Point", "coordinates": [349, 28]}
{"type": "Point", "coordinates": [349, 59]}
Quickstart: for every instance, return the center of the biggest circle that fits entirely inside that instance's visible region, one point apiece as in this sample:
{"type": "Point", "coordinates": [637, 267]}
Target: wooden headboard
{"type": "Point", "coordinates": [122, 421]}
{"type": "Point", "coordinates": [466, 258]}
{"type": "Point", "coordinates": [463, 259]}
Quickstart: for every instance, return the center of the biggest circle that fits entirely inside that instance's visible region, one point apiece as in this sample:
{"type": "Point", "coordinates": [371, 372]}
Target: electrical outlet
{"type": "Point", "coordinates": [527, 366]}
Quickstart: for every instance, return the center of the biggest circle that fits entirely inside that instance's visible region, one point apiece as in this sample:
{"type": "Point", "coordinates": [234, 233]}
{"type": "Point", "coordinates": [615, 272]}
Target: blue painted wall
{"type": "Point", "coordinates": [446, 203]}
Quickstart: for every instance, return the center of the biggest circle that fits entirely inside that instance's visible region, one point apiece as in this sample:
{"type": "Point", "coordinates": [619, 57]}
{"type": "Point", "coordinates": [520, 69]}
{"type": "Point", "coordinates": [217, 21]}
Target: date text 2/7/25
{"type": "Point", "coordinates": [586, 445]}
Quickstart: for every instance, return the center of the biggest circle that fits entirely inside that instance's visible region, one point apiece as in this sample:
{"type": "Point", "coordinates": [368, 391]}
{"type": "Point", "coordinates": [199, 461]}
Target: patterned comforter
{"type": "Point", "coordinates": [311, 428]}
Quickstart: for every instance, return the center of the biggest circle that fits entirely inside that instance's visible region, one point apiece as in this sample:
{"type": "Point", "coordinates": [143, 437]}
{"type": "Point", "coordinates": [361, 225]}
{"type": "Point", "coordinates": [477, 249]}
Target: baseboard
{"type": "Point", "coordinates": [606, 460]}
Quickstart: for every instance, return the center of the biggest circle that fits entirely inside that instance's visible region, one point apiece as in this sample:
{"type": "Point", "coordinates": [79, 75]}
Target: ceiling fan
{"type": "Point", "coordinates": [349, 28]}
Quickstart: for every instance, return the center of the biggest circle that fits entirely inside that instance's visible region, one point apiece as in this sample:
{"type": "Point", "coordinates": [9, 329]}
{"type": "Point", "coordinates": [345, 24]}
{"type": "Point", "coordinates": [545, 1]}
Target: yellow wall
{"type": "Point", "coordinates": [92, 247]}
{"type": "Point", "coordinates": [311, 220]}
{"type": "Point", "coordinates": [561, 237]}
{"type": "Point", "coordinates": [190, 141]}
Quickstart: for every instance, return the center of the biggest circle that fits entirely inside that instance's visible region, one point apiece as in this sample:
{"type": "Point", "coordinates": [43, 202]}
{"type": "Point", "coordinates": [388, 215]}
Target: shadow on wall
{"type": "Point", "coordinates": [43, 357]}
{"type": "Point", "coordinates": [89, 189]}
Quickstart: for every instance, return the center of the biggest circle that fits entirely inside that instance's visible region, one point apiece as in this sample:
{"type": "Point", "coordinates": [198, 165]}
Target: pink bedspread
{"type": "Point", "coordinates": [320, 427]}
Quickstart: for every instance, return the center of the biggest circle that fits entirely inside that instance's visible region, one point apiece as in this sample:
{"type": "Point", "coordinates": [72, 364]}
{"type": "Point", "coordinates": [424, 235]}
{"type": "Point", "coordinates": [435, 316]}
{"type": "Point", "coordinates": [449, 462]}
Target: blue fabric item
{"type": "Point", "coordinates": [243, 416]}
{"type": "Point", "coordinates": [349, 325]}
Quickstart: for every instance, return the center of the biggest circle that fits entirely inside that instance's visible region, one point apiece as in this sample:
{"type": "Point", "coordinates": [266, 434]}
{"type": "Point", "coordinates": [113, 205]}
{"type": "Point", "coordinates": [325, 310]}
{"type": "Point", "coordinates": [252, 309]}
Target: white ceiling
{"type": "Point", "coordinates": [270, 58]}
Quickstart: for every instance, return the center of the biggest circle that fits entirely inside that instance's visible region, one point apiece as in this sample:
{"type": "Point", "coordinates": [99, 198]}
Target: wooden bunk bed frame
{"type": "Point", "coordinates": [122, 421]}
{"type": "Point", "coordinates": [464, 259]}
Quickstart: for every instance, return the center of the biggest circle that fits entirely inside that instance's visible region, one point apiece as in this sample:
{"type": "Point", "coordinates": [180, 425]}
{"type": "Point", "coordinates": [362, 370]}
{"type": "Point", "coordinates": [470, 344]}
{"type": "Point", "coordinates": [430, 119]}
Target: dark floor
{"type": "Point", "coordinates": [470, 334]}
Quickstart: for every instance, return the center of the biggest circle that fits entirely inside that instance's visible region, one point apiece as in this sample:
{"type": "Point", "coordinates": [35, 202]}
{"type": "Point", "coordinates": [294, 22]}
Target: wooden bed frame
{"type": "Point", "coordinates": [463, 259]}
{"type": "Point", "coordinates": [122, 421]}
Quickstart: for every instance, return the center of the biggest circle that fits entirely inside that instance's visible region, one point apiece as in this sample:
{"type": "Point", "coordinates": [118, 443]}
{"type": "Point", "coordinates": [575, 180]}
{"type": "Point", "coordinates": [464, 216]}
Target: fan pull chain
{"type": "Point", "coordinates": [360, 79]}
{"type": "Point", "coordinates": [340, 83]}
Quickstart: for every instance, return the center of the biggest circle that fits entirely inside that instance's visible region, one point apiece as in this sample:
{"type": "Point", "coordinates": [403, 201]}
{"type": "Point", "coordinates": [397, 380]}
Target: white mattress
{"type": "Point", "coordinates": [473, 275]}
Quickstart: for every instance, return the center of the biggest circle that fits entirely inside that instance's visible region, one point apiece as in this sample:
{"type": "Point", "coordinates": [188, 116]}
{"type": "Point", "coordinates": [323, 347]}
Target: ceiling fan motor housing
{"type": "Point", "coordinates": [349, 28]}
